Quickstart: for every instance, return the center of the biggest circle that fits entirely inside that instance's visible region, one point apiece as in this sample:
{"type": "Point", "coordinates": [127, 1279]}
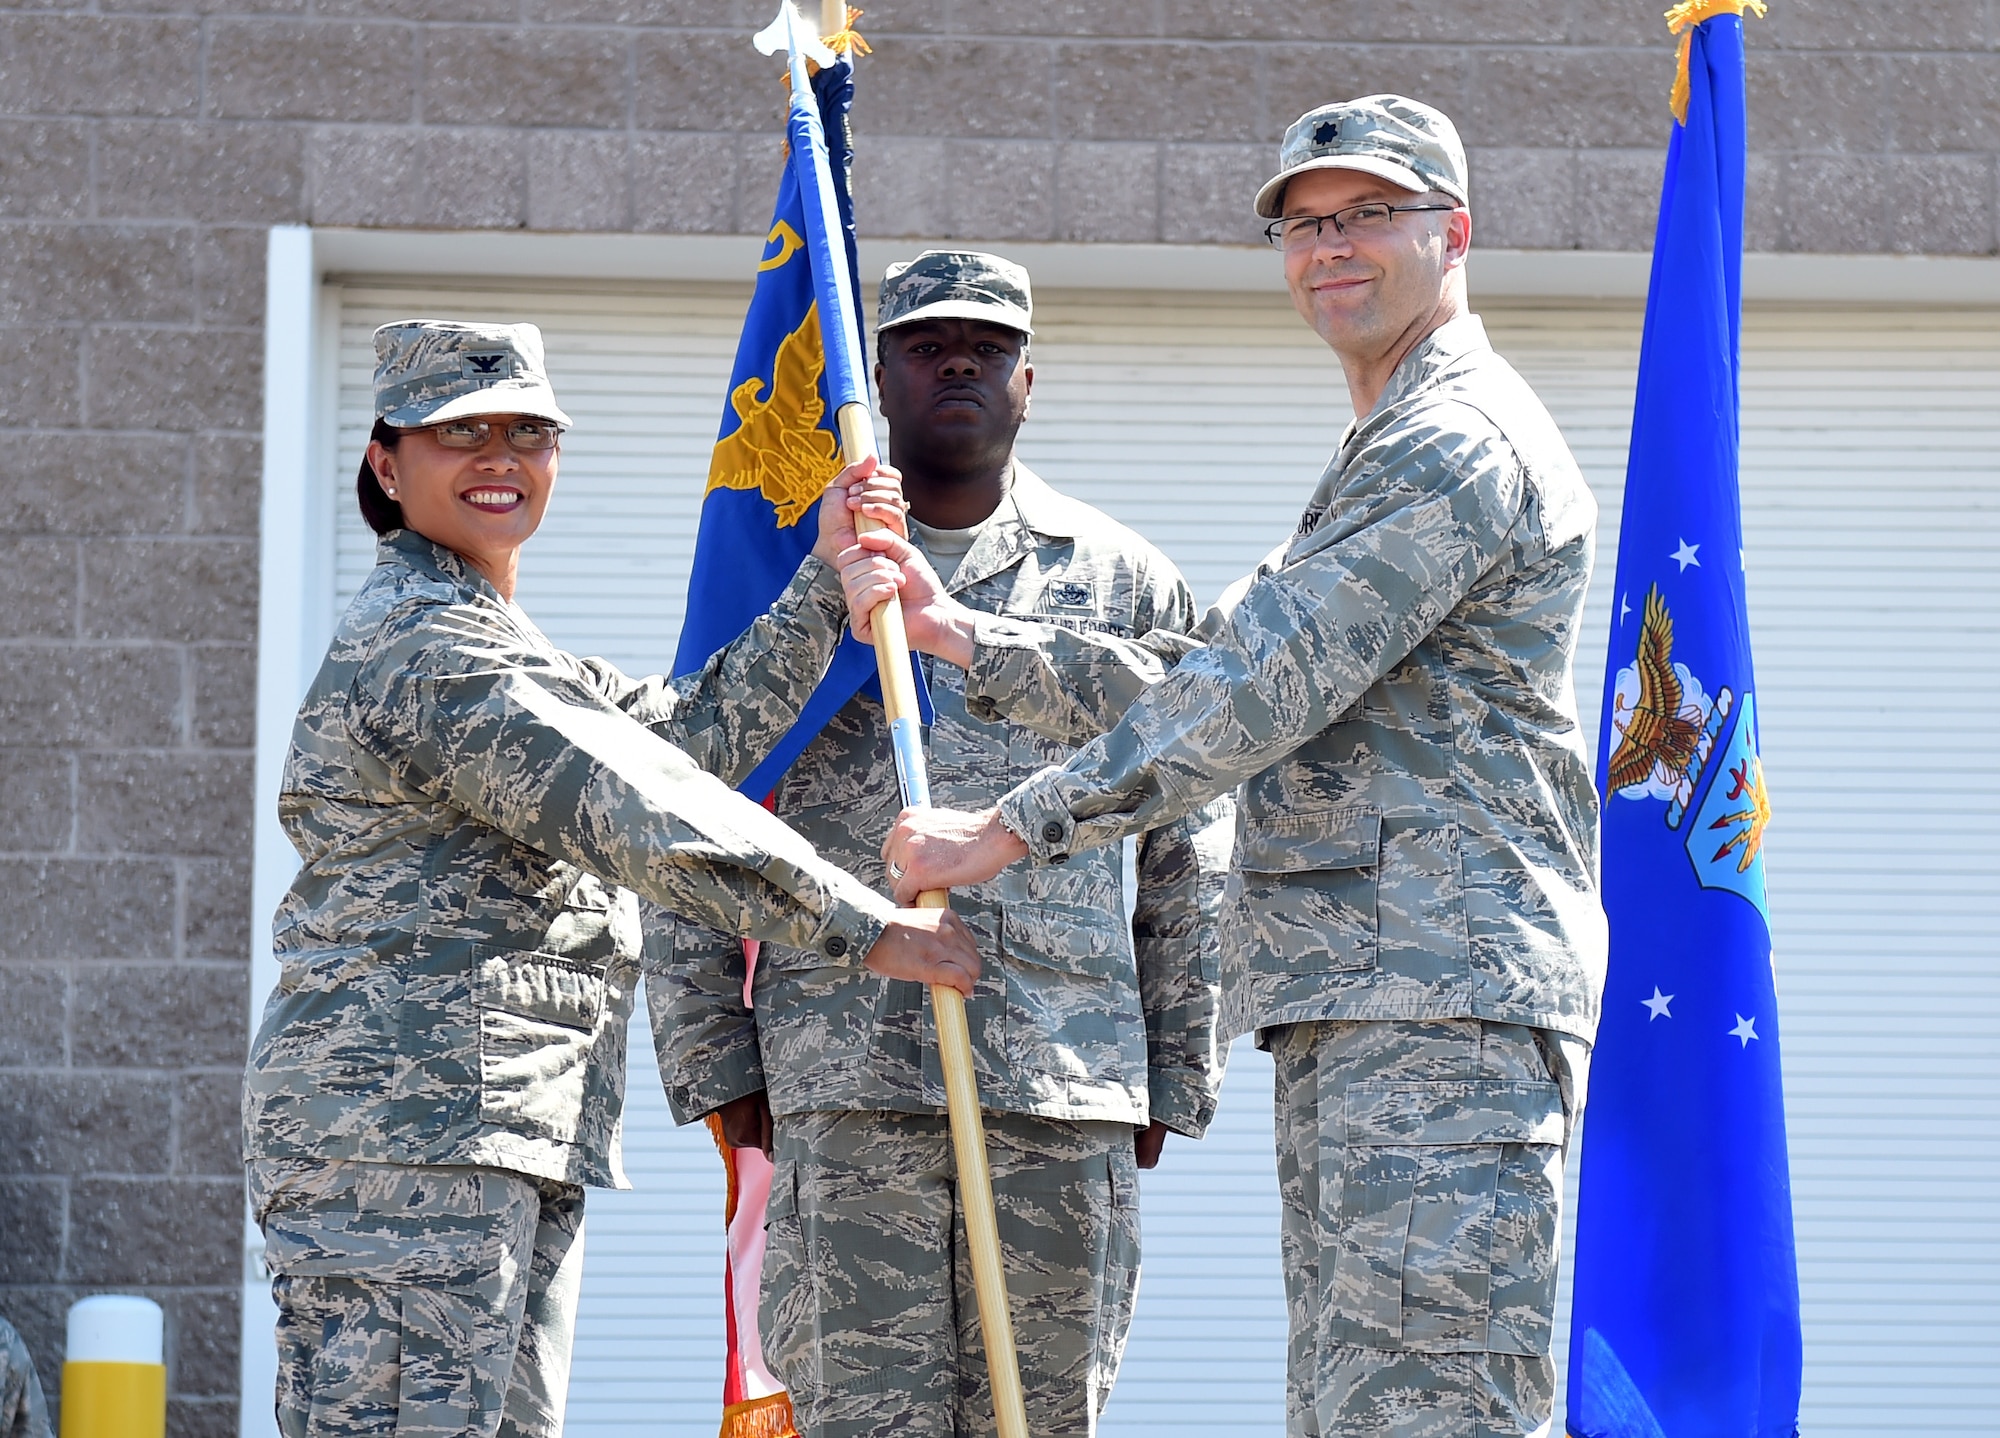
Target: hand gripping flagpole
{"type": "Point", "coordinates": [842, 338]}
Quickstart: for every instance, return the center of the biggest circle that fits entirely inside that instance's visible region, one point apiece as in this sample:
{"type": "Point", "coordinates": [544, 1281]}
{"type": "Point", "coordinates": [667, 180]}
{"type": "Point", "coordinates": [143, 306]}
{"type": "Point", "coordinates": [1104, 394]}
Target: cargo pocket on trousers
{"type": "Point", "coordinates": [786, 1315]}
{"type": "Point", "coordinates": [538, 1018]}
{"type": "Point", "coordinates": [1446, 1235]}
{"type": "Point", "coordinates": [1121, 1270]}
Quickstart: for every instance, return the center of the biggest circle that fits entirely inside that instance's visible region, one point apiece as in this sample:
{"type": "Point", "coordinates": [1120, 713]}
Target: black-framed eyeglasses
{"type": "Point", "coordinates": [1299, 232]}
{"type": "Point", "coordinates": [522, 434]}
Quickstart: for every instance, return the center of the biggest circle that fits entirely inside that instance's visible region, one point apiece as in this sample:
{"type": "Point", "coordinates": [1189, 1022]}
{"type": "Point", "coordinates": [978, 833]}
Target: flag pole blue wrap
{"type": "Point", "coordinates": [1685, 1321]}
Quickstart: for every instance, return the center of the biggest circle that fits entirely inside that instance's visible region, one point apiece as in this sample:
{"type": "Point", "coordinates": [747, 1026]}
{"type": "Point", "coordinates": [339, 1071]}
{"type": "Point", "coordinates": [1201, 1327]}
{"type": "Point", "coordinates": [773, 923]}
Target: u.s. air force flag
{"type": "Point", "coordinates": [1686, 1315]}
{"type": "Point", "coordinates": [778, 447]}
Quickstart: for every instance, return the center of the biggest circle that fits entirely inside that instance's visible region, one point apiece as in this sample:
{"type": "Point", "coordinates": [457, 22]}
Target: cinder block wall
{"type": "Point", "coordinates": [142, 155]}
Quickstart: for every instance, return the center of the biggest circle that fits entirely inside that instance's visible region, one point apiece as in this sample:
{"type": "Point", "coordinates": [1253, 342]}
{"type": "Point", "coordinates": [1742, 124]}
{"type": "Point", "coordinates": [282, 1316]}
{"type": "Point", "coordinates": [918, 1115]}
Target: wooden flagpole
{"type": "Point", "coordinates": [961, 1088]}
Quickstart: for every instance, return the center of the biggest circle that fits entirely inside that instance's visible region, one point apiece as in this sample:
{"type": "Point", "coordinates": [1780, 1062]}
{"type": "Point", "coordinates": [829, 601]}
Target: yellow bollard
{"type": "Point", "coordinates": [114, 1378]}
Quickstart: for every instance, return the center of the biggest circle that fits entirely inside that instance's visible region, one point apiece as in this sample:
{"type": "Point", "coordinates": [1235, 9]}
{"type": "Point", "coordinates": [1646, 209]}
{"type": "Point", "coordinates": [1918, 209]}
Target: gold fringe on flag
{"type": "Point", "coordinates": [1681, 21]}
{"type": "Point", "coordinates": [766, 1417]}
{"type": "Point", "coordinates": [847, 40]}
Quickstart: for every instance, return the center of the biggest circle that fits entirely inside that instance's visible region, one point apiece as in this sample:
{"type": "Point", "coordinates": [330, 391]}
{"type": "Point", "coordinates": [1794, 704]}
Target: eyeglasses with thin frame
{"type": "Point", "coordinates": [527, 435]}
{"type": "Point", "coordinates": [1298, 232]}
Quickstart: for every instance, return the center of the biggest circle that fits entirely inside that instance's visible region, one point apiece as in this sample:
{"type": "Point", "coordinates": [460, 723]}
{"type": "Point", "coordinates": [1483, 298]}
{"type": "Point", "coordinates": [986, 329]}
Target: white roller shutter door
{"type": "Point", "coordinates": [1872, 516]}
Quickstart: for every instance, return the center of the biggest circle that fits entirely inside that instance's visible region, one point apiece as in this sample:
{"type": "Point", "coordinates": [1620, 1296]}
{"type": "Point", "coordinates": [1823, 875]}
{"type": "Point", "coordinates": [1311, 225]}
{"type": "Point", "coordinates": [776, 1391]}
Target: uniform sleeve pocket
{"type": "Point", "coordinates": [1446, 1229]}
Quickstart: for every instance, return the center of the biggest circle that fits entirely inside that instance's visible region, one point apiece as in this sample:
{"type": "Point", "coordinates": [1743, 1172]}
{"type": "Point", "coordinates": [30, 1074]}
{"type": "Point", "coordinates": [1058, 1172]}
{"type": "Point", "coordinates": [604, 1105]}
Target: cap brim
{"type": "Point", "coordinates": [535, 401]}
{"type": "Point", "coordinates": [1271, 197]}
{"type": "Point", "coordinates": [1012, 317]}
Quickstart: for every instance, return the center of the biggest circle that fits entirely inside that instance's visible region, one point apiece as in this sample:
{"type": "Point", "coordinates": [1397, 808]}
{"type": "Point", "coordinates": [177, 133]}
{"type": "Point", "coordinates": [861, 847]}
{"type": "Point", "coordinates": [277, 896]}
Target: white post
{"type": "Point", "coordinates": [291, 616]}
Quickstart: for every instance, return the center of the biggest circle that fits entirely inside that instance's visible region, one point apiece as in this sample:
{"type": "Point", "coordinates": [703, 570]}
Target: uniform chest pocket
{"type": "Point", "coordinates": [1449, 1208]}
{"type": "Point", "coordinates": [1309, 889]}
{"type": "Point", "coordinates": [538, 1021]}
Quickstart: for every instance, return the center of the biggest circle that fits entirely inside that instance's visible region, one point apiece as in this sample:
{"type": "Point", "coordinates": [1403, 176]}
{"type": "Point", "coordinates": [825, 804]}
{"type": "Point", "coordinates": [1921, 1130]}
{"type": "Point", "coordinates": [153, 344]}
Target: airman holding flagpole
{"type": "Point", "coordinates": [1416, 933]}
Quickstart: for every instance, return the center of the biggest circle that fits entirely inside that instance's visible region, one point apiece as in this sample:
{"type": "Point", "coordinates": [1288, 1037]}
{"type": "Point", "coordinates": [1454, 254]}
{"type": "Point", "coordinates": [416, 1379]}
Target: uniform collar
{"type": "Point", "coordinates": [1431, 356]}
{"type": "Point", "coordinates": [433, 560]}
{"type": "Point", "coordinates": [1029, 512]}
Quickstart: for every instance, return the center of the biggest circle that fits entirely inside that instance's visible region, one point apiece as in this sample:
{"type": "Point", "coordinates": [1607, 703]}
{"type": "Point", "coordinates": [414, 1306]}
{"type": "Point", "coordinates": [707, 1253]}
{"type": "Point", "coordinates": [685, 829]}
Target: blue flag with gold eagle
{"type": "Point", "coordinates": [1686, 1313]}
{"type": "Point", "coordinates": [778, 448]}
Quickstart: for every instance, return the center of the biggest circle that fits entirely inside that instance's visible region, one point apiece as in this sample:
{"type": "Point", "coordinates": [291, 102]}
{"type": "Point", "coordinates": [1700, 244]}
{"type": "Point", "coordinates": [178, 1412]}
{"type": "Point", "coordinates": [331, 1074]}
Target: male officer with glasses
{"type": "Point", "coordinates": [1418, 938]}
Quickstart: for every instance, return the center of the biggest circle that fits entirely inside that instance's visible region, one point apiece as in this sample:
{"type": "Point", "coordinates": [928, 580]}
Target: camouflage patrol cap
{"type": "Point", "coordinates": [956, 284]}
{"type": "Point", "coordinates": [429, 371]}
{"type": "Point", "coordinates": [1395, 139]}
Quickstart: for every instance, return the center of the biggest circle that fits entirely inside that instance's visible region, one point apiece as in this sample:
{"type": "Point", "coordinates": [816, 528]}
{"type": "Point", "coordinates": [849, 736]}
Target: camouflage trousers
{"type": "Point", "coordinates": [425, 1301]}
{"type": "Point", "coordinates": [1420, 1170]}
{"type": "Point", "coordinates": [868, 1312]}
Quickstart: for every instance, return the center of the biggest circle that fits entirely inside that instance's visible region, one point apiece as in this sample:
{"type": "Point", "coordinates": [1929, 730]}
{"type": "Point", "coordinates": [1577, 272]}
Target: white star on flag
{"type": "Point", "coordinates": [1685, 555]}
{"type": "Point", "coordinates": [1624, 607]}
{"type": "Point", "coordinates": [1746, 1029]}
{"type": "Point", "coordinates": [1657, 1004]}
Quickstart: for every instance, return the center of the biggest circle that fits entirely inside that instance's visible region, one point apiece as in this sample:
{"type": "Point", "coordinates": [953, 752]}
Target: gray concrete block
{"type": "Point", "coordinates": [98, 694]}
{"type": "Point", "coordinates": [228, 479]}
{"type": "Point", "coordinates": [31, 1216]}
{"type": "Point", "coordinates": [91, 65]}
{"type": "Point", "coordinates": [1299, 78]}
{"type": "Point", "coordinates": [416, 11]}
{"type": "Point", "coordinates": [1000, 190]}
{"type": "Point", "coordinates": [1523, 199]}
{"type": "Point", "coordinates": [204, 1343]}
{"type": "Point", "coordinates": [899, 186]}
{"type": "Point", "coordinates": [1492, 22]}
{"type": "Point", "coordinates": [1825, 103]}
{"type": "Point", "coordinates": [175, 379]}
{"type": "Point", "coordinates": [39, 386]}
{"type": "Point", "coordinates": [1944, 102]}
{"type": "Point", "coordinates": [215, 907]}
{"type": "Point", "coordinates": [70, 273]}
{"type": "Point", "coordinates": [1916, 25]}
{"type": "Point", "coordinates": [36, 803]}
{"type": "Point", "coordinates": [183, 170]}
{"type": "Point", "coordinates": [35, 1016]}
{"type": "Point", "coordinates": [75, 1123]}
{"type": "Point", "coordinates": [208, 1123]}
{"type": "Point", "coordinates": [990, 89]}
{"type": "Point", "coordinates": [229, 275]}
{"type": "Point", "coordinates": [1940, 205]}
{"type": "Point", "coordinates": [225, 695]}
{"type": "Point", "coordinates": [38, 599]}
{"type": "Point", "coordinates": [687, 184]}
{"type": "Point", "coordinates": [184, 589]}
{"type": "Point", "coordinates": [1837, 204]}
{"type": "Point", "coordinates": [1108, 192]}
{"type": "Point", "coordinates": [1618, 198]}
{"type": "Point", "coordinates": [44, 169]}
{"type": "Point", "coordinates": [744, 17]}
{"type": "Point", "coordinates": [707, 82]}
{"type": "Point", "coordinates": [313, 70]}
{"type": "Point", "coordinates": [452, 179]}
{"type": "Point", "coordinates": [202, 1417]}
{"type": "Point", "coordinates": [1206, 193]}
{"type": "Point", "coordinates": [1584, 99]}
{"type": "Point", "coordinates": [91, 484]}
{"type": "Point", "coordinates": [1039, 18]}
{"type": "Point", "coordinates": [137, 1231]}
{"type": "Point", "coordinates": [535, 76]}
{"type": "Point", "coordinates": [172, 803]}
{"type": "Point", "coordinates": [85, 908]}
{"type": "Point", "coordinates": [1165, 91]}
{"type": "Point", "coordinates": [578, 181]}
{"type": "Point", "coordinates": [160, 1016]}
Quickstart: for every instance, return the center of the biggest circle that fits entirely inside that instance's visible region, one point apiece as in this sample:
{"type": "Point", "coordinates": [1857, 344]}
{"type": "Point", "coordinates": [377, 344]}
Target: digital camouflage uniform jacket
{"type": "Point", "coordinates": [1067, 1021]}
{"type": "Point", "coordinates": [457, 957]}
{"type": "Point", "coordinates": [1417, 826]}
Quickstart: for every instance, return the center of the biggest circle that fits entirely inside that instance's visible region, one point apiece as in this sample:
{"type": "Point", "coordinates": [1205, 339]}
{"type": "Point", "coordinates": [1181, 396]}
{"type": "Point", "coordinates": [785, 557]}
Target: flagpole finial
{"type": "Point", "coordinates": [790, 32]}
{"type": "Point", "coordinates": [1681, 21]}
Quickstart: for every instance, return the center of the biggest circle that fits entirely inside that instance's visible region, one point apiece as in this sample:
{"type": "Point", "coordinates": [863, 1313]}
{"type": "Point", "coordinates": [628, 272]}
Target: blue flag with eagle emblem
{"type": "Point", "coordinates": [778, 447]}
{"type": "Point", "coordinates": [1685, 1321]}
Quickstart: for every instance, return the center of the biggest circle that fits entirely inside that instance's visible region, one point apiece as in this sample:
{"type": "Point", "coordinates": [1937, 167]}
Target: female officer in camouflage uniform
{"type": "Point", "coordinates": [441, 1066]}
